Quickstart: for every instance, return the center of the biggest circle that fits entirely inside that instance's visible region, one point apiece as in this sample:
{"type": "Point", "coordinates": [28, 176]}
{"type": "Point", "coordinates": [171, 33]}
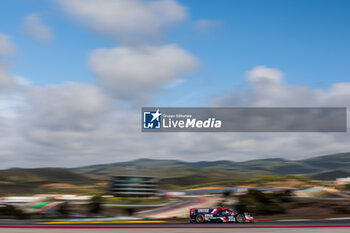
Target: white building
{"type": "Point", "coordinates": [343, 180]}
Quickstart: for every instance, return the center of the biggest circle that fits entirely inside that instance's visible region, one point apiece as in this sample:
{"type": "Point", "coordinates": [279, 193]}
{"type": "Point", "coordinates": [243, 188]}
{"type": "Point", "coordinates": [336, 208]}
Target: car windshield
{"type": "Point", "coordinates": [229, 211]}
{"type": "Point", "coordinates": [226, 212]}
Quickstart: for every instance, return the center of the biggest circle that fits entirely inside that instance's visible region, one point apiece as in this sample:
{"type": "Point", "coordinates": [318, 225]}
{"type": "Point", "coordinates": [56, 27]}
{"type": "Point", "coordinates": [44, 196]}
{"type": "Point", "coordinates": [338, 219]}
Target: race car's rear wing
{"type": "Point", "coordinates": [194, 211]}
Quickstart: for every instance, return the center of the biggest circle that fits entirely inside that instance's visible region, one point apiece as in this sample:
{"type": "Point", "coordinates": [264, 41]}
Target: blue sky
{"type": "Point", "coordinates": [91, 65]}
{"type": "Point", "coordinates": [307, 40]}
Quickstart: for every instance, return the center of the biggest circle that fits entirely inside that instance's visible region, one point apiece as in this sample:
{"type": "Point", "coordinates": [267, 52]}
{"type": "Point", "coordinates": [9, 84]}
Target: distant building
{"type": "Point", "coordinates": [134, 186]}
{"type": "Point", "coordinates": [341, 181]}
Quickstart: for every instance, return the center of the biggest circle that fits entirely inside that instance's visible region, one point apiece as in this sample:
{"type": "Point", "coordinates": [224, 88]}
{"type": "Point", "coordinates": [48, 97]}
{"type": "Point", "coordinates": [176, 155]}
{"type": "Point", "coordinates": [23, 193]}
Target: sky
{"type": "Point", "coordinates": [75, 73]}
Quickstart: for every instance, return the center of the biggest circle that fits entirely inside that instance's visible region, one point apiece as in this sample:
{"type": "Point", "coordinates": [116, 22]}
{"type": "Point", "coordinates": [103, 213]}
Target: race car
{"type": "Point", "coordinates": [222, 214]}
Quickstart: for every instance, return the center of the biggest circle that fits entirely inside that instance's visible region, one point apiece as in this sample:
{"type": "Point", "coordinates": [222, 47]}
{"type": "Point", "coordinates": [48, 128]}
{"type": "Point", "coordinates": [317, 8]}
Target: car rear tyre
{"type": "Point", "coordinates": [240, 218]}
{"type": "Point", "coordinates": [200, 218]}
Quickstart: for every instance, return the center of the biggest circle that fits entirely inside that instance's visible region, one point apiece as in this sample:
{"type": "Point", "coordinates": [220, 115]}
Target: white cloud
{"type": "Point", "coordinates": [206, 25]}
{"type": "Point", "coordinates": [22, 81]}
{"type": "Point", "coordinates": [138, 72]}
{"type": "Point", "coordinates": [268, 89]}
{"type": "Point", "coordinates": [261, 75]}
{"type": "Point", "coordinates": [133, 72]}
{"type": "Point", "coordinates": [125, 19]}
{"type": "Point", "coordinates": [74, 124]}
{"type": "Point", "coordinates": [6, 46]}
{"type": "Point", "coordinates": [175, 84]}
{"type": "Point", "coordinates": [58, 124]}
{"type": "Point", "coordinates": [10, 104]}
{"type": "Point", "coordinates": [6, 79]}
{"type": "Point", "coordinates": [68, 106]}
{"type": "Point", "coordinates": [33, 26]}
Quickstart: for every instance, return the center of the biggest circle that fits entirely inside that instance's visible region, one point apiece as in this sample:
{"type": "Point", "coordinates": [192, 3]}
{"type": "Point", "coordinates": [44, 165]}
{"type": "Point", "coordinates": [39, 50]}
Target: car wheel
{"type": "Point", "coordinates": [200, 218]}
{"type": "Point", "coordinates": [240, 218]}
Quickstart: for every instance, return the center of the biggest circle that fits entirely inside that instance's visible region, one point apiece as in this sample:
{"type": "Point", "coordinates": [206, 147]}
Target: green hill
{"type": "Point", "coordinates": [172, 173]}
{"type": "Point", "coordinates": [199, 178]}
{"type": "Point", "coordinates": [330, 175]}
{"type": "Point", "coordinates": [175, 168]}
{"type": "Point", "coordinates": [43, 175]}
{"type": "Point", "coordinates": [29, 181]}
{"type": "Point", "coordinates": [334, 161]}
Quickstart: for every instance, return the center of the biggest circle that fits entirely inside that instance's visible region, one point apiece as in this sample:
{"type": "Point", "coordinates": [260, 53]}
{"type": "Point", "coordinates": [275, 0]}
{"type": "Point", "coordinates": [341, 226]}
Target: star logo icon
{"type": "Point", "coordinates": [152, 119]}
{"type": "Point", "coordinates": [156, 115]}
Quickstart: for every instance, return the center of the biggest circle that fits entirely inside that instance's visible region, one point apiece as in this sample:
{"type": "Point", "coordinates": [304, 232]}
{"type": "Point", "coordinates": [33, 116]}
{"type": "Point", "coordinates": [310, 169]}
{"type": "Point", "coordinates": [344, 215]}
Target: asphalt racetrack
{"type": "Point", "coordinates": [291, 226]}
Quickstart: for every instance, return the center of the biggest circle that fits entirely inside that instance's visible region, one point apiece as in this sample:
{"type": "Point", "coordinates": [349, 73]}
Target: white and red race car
{"type": "Point", "coordinates": [222, 214]}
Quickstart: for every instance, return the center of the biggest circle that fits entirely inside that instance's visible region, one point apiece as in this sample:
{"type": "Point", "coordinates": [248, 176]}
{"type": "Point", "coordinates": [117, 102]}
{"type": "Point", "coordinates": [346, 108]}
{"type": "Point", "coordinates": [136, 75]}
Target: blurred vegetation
{"type": "Point", "coordinates": [346, 187]}
{"type": "Point", "coordinates": [64, 210]}
{"type": "Point", "coordinates": [42, 175]}
{"type": "Point", "coordinates": [174, 174]}
{"type": "Point", "coordinates": [174, 168]}
{"type": "Point", "coordinates": [10, 211]}
{"type": "Point", "coordinates": [95, 205]}
{"type": "Point", "coordinates": [331, 175]}
{"type": "Point", "coordinates": [44, 180]}
{"type": "Point", "coordinates": [258, 181]}
{"type": "Point", "coordinates": [261, 203]}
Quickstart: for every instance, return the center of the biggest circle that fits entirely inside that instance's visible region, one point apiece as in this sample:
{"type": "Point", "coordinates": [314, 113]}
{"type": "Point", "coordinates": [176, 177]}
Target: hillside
{"type": "Point", "coordinates": [172, 173]}
{"type": "Point", "coordinates": [199, 178]}
{"type": "Point", "coordinates": [252, 168]}
{"type": "Point", "coordinates": [334, 161]}
{"type": "Point", "coordinates": [271, 181]}
{"type": "Point", "coordinates": [330, 175]}
{"type": "Point", "coordinates": [29, 181]}
{"type": "Point", "coordinates": [43, 175]}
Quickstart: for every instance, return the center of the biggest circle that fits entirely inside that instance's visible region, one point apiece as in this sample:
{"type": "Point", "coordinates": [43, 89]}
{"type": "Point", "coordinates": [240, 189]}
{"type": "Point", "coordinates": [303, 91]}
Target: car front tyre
{"type": "Point", "coordinates": [240, 218]}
